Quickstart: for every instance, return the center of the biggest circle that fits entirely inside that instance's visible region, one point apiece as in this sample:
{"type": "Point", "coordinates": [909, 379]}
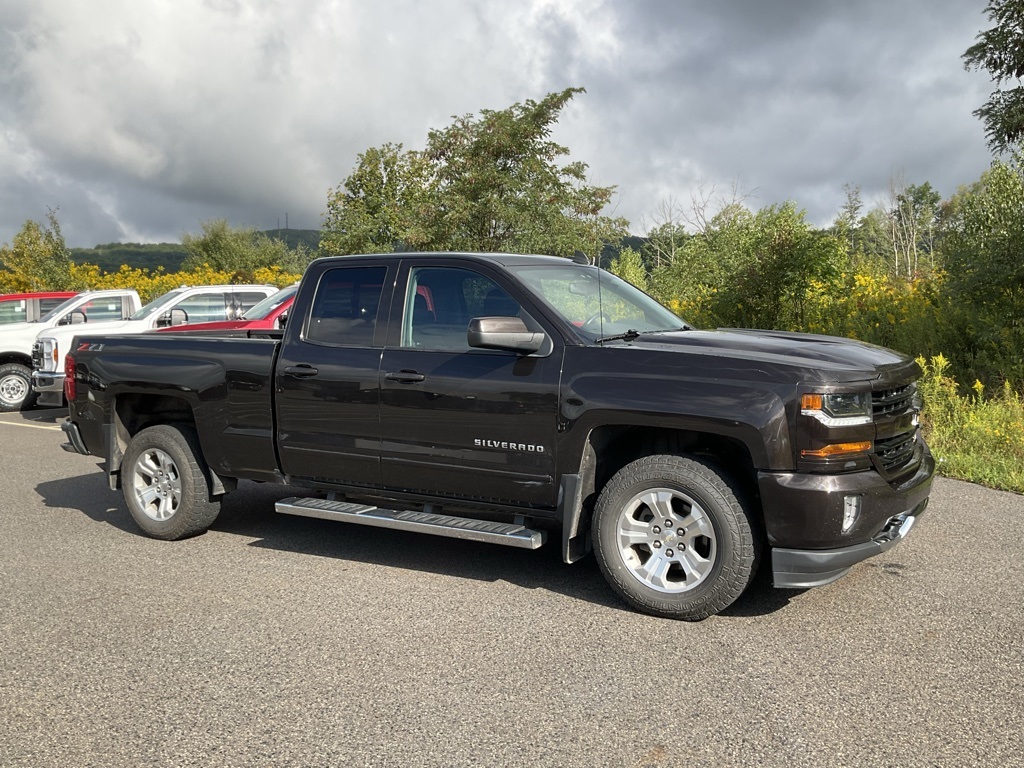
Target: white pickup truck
{"type": "Point", "coordinates": [16, 339]}
{"type": "Point", "coordinates": [198, 304]}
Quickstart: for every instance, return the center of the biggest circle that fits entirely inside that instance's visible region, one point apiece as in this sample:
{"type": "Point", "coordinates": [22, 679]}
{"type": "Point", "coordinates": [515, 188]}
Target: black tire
{"type": "Point", "coordinates": [164, 483]}
{"type": "Point", "coordinates": [16, 388]}
{"type": "Point", "coordinates": [691, 569]}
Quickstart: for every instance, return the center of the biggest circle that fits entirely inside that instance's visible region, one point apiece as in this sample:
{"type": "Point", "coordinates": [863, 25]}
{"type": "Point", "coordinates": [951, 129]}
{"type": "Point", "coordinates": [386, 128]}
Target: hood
{"type": "Point", "coordinates": [844, 358]}
{"type": "Point", "coordinates": [19, 337]}
{"type": "Point", "coordinates": [15, 327]}
{"type": "Point", "coordinates": [64, 333]}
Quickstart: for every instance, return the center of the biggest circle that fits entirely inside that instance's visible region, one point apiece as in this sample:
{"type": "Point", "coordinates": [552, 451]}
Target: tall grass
{"type": "Point", "coordinates": [976, 436]}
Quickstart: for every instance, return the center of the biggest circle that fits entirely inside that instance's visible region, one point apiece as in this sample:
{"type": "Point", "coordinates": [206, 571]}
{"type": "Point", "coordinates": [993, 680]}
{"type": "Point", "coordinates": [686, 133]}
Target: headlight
{"type": "Point", "coordinates": [846, 409]}
{"type": "Point", "coordinates": [49, 360]}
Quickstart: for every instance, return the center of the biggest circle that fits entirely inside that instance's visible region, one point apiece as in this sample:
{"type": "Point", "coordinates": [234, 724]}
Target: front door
{"type": "Point", "coordinates": [461, 422]}
{"type": "Point", "coordinates": [326, 380]}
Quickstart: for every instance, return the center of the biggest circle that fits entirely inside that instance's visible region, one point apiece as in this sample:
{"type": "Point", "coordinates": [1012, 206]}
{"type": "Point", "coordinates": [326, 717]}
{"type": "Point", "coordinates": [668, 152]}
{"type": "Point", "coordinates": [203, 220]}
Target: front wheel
{"type": "Point", "coordinates": [164, 485]}
{"type": "Point", "coordinates": [673, 539]}
{"type": "Point", "coordinates": [15, 388]}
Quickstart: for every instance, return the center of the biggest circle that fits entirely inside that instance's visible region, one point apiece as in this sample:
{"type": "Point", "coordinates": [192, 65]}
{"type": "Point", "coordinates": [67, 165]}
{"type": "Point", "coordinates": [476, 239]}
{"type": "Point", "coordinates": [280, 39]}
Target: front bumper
{"type": "Point", "coordinates": [47, 382]}
{"type": "Point", "coordinates": [49, 387]}
{"type": "Point", "coordinates": [804, 520]}
{"type": "Point", "coordinates": [802, 569]}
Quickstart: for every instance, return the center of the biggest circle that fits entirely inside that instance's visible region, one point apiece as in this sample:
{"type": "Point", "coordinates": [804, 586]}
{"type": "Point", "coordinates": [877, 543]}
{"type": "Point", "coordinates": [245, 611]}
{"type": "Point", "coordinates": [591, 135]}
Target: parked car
{"type": "Point", "coordinates": [29, 307]}
{"type": "Point", "coordinates": [269, 314]}
{"type": "Point", "coordinates": [175, 308]}
{"type": "Point", "coordinates": [507, 398]}
{"type": "Point", "coordinates": [17, 339]}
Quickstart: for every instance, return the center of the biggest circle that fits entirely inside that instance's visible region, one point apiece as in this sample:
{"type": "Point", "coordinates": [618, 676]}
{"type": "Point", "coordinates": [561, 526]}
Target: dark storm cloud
{"type": "Point", "coordinates": [141, 120]}
{"type": "Point", "coordinates": [792, 100]}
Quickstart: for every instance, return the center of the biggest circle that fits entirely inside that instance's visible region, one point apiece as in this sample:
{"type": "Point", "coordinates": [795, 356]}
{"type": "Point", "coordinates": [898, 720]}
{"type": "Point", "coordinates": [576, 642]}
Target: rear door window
{"type": "Point", "coordinates": [346, 306]}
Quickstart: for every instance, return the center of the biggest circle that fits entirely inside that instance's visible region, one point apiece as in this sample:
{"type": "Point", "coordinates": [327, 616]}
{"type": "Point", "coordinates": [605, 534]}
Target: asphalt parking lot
{"type": "Point", "coordinates": [282, 641]}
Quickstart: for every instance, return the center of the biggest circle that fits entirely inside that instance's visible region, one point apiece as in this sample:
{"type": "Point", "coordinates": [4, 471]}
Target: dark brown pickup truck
{"type": "Point", "coordinates": [507, 398]}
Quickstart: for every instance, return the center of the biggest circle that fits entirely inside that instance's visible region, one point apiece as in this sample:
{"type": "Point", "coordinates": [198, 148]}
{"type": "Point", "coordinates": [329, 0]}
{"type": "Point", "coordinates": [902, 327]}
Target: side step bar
{"type": "Point", "coordinates": [509, 534]}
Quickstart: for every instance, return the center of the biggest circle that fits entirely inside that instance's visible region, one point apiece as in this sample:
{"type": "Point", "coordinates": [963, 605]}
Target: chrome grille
{"type": "Point", "coordinates": [895, 452]}
{"type": "Point", "coordinates": [890, 402]}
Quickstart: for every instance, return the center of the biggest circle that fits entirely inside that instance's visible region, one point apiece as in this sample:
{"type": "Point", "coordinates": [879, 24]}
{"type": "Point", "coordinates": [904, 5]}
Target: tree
{"type": "Point", "coordinates": [492, 183]}
{"type": "Point", "coordinates": [629, 265]}
{"type": "Point", "coordinates": [751, 270]}
{"type": "Point", "coordinates": [783, 255]}
{"type": "Point", "coordinates": [667, 233]}
{"type": "Point", "coordinates": [912, 212]}
{"type": "Point", "coordinates": [374, 210]}
{"type": "Point", "coordinates": [39, 258]}
{"type": "Point", "coordinates": [1000, 50]}
{"type": "Point", "coordinates": [846, 222]}
{"type": "Point", "coordinates": [241, 251]}
{"type": "Point", "coordinates": [985, 281]}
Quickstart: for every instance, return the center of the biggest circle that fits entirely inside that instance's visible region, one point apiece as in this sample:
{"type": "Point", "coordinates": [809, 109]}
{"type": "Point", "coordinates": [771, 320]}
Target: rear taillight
{"type": "Point", "coordinates": [69, 378]}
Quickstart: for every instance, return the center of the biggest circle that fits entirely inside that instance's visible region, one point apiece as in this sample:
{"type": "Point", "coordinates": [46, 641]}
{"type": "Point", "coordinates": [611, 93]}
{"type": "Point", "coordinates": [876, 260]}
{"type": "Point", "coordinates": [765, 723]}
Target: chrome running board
{"type": "Point", "coordinates": [508, 534]}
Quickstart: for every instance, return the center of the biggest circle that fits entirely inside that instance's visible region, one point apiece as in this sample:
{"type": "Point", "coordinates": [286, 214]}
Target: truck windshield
{"type": "Point", "coordinates": [269, 304]}
{"type": "Point", "coordinates": [59, 310]}
{"type": "Point", "coordinates": [158, 304]}
{"type": "Point", "coordinates": [598, 303]}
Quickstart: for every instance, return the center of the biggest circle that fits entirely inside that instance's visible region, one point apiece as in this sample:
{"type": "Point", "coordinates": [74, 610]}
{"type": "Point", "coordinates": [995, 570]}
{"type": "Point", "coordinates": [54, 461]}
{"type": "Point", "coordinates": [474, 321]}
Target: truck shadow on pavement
{"type": "Point", "coordinates": [90, 495]}
{"type": "Point", "coordinates": [249, 513]}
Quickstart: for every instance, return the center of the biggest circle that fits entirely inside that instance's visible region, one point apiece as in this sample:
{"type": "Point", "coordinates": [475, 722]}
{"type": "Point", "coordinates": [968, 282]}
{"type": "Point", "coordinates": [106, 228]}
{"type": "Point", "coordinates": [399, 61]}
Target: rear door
{"type": "Point", "coordinates": [461, 422]}
{"type": "Point", "coordinates": [326, 379]}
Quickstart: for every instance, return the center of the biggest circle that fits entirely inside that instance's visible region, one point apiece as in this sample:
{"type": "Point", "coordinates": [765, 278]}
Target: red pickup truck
{"type": "Point", "coordinates": [29, 307]}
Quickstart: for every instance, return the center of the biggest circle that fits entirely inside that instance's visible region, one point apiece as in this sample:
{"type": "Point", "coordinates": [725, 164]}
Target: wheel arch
{"type": "Point", "coordinates": [609, 448]}
{"type": "Point", "coordinates": [133, 412]}
{"type": "Point", "coordinates": [16, 357]}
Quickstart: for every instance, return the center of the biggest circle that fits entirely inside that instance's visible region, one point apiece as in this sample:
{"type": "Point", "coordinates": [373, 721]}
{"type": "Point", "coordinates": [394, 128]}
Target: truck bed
{"type": "Point", "coordinates": [228, 381]}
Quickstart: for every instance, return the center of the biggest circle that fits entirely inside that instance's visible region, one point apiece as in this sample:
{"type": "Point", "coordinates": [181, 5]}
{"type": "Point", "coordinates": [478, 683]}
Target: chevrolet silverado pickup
{"type": "Point", "coordinates": [508, 399]}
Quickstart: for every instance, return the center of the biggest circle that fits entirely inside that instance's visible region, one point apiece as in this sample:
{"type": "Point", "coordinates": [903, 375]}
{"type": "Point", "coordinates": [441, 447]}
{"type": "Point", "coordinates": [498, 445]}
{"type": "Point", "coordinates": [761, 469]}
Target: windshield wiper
{"type": "Point", "coordinates": [632, 334]}
{"type": "Point", "coordinates": [627, 336]}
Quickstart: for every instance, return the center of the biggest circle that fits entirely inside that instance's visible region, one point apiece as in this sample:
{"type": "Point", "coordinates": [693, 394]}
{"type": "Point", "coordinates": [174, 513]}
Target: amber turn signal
{"type": "Point", "coordinates": [837, 449]}
{"type": "Point", "coordinates": [811, 402]}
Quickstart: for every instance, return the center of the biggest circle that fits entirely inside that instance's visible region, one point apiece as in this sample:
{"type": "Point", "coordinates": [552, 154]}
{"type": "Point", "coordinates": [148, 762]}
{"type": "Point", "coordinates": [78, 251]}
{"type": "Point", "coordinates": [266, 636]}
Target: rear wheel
{"type": "Point", "coordinates": [164, 483]}
{"type": "Point", "coordinates": [673, 539]}
{"type": "Point", "coordinates": [16, 387]}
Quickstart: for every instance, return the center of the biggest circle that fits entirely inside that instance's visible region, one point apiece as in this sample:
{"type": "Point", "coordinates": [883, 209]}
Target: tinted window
{"type": "Point", "coordinates": [440, 303]}
{"type": "Point", "coordinates": [345, 306]}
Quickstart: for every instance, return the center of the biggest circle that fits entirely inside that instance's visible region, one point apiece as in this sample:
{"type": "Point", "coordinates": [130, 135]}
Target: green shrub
{"type": "Point", "coordinates": [973, 437]}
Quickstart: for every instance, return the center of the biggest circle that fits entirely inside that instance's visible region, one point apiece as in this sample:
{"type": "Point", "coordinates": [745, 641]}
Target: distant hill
{"type": "Point", "coordinates": [110, 256]}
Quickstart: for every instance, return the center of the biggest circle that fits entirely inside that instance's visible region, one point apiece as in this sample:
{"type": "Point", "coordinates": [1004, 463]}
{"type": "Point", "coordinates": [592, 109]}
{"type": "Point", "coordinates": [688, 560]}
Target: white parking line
{"type": "Point", "coordinates": [31, 426]}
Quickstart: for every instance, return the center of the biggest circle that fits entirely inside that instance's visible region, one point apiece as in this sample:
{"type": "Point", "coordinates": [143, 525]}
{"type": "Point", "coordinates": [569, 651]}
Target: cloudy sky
{"type": "Point", "coordinates": [140, 120]}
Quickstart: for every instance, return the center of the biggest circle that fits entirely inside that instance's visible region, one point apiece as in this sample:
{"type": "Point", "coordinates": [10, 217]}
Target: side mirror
{"type": "Point", "coordinates": [509, 333]}
{"type": "Point", "coordinates": [282, 320]}
{"type": "Point", "coordinates": [74, 317]}
{"type": "Point", "coordinates": [171, 318]}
